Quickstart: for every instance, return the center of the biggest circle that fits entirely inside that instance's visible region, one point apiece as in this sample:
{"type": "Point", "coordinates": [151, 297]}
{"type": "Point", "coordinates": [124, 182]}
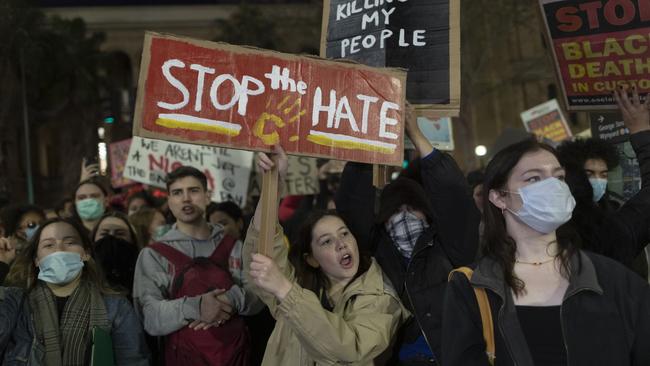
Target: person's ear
{"type": "Point", "coordinates": [311, 261]}
{"type": "Point", "coordinates": [497, 198]}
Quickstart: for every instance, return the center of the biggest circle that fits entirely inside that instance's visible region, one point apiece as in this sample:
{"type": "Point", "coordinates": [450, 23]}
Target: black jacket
{"type": "Point", "coordinates": [450, 241]}
{"type": "Point", "coordinates": [605, 317]}
{"type": "Point", "coordinates": [621, 234]}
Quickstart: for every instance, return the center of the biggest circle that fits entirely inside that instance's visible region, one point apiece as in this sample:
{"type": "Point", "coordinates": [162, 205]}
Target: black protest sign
{"type": "Point", "coordinates": [422, 36]}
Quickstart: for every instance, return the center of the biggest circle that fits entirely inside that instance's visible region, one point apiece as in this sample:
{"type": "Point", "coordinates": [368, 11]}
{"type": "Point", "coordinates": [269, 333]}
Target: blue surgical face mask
{"type": "Point", "coordinates": [547, 204]}
{"type": "Point", "coordinates": [90, 209]}
{"type": "Point", "coordinates": [599, 186]}
{"type": "Point", "coordinates": [160, 231]}
{"type": "Point", "coordinates": [30, 231]}
{"type": "Point", "coordinates": [60, 268]}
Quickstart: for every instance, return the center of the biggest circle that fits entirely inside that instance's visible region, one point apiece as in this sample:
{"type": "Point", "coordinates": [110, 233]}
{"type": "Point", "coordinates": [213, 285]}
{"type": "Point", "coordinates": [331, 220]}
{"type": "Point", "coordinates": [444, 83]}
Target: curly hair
{"type": "Point", "coordinates": [576, 153]}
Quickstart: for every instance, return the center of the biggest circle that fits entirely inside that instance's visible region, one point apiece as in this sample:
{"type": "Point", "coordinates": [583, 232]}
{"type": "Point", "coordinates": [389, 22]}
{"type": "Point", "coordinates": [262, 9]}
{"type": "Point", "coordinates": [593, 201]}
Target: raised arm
{"type": "Point", "coordinates": [455, 214]}
{"type": "Point", "coordinates": [636, 116]}
{"type": "Point", "coordinates": [269, 278]}
{"type": "Point", "coordinates": [634, 215]}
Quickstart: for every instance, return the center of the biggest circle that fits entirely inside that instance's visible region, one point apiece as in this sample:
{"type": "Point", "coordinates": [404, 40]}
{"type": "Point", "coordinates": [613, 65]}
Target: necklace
{"type": "Point", "coordinates": [535, 263]}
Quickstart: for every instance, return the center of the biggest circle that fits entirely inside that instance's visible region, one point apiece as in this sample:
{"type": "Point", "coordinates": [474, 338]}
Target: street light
{"type": "Point", "coordinates": [480, 150]}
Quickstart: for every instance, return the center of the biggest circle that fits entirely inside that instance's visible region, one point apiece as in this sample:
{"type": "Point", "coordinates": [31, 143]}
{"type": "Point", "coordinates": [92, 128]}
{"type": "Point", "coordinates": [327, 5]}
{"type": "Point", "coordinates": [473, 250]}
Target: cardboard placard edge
{"type": "Point", "coordinates": [397, 73]}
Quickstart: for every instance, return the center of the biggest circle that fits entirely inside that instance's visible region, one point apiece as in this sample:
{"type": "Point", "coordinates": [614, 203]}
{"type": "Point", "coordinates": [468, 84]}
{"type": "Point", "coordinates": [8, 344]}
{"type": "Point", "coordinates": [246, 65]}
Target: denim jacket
{"type": "Point", "coordinates": [20, 347]}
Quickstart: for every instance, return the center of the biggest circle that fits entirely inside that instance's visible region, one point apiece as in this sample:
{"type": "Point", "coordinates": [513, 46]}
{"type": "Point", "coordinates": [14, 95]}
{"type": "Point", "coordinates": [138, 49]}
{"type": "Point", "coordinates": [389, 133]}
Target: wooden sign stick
{"type": "Point", "coordinates": [269, 198]}
{"type": "Point", "coordinates": [380, 176]}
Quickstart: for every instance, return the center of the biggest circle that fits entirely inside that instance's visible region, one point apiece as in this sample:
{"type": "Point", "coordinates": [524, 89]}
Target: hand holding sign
{"type": "Point", "coordinates": [635, 114]}
{"type": "Point", "coordinates": [266, 163]}
{"type": "Point", "coordinates": [269, 277]}
{"type": "Point", "coordinates": [266, 215]}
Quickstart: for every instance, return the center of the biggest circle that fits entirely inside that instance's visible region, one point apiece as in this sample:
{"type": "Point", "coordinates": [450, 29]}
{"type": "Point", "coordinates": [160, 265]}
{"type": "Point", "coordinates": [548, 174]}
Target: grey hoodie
{"type": "Point", "coordinates": [152, 283]}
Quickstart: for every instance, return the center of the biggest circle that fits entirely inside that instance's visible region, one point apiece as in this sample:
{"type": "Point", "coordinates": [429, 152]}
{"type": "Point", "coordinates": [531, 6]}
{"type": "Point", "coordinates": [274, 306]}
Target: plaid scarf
{"type": "Point", "coordinates": [404, 228]}
{"type": "Point", "coordinates": [67, 340]}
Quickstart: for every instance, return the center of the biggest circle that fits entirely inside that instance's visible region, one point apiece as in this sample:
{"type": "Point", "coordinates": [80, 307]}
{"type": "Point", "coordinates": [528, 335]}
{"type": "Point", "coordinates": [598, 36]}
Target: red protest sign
{"type": "Point", "coordinates": [119, 151]}
{"type": "Point", "coordinates": [217, 94]}
{"type": "Point", "coordinates": [598, 46]}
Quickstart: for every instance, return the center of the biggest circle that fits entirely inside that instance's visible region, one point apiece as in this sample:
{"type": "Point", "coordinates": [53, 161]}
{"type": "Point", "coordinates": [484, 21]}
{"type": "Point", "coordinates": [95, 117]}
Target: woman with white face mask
{"type": "Point", "coordinates": [63, 302]}
{"type": "Point", "coordinates": [91, 201]}
{"type": "Point", "coordinates": [551, 303]}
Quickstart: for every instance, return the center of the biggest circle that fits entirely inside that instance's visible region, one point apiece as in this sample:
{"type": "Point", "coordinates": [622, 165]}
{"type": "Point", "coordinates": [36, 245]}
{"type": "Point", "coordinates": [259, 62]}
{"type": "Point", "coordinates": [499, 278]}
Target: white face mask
{"type": "Point", "coordinates": [546, 205]}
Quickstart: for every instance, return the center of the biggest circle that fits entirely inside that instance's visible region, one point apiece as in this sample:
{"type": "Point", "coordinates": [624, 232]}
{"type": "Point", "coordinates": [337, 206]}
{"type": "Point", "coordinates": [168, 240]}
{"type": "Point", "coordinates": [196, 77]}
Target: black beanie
{"type": "Point", "coordinates": [403, 191]}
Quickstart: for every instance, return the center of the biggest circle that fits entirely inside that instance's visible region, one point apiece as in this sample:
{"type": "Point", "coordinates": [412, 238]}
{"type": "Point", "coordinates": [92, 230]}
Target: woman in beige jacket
{"type": "Point", "coordinates": [332, 304]}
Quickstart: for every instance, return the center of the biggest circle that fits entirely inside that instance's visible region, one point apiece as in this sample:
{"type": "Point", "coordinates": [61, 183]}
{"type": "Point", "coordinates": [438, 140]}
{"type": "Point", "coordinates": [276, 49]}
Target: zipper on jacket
{"type": "Point", "coordinates": [408, 293]}
{"type": "Point", "coordinates": [566, 345]}
{"type": "Point", "coordinates": [505, 339]}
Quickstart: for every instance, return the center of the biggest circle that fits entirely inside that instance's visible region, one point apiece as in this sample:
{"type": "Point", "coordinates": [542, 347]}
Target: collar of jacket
{"type": "Point", "coordinates": [373, 282]}
{"type": "Point", "coordinates": [489, 274]}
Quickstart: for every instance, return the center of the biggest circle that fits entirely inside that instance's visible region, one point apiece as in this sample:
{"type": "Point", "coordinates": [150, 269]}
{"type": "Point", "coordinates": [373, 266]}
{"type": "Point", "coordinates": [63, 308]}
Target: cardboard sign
{"type": "Point", "coordinates": [118, 153]}
{"type": "Point", "coordinates": [547, 120]}
{"type": "Point", "coordinates": [438, 131]}
{"type": "Point", "coordinates": [598, 46]}
{"type": "Point", "coordinates": [227, 170]}
{"type": "Point", "coordinates": [221, 95]}
{"type": "Point", "coordinates": [302, 176]}
{"type": "Point", "coordinates": [422, 36]}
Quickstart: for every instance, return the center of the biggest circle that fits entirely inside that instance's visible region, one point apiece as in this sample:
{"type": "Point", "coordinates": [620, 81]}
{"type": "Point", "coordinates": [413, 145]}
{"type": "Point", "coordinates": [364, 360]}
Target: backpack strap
{"type": "Point", "coordinates": [221, 253]}
{"type": "Point", "coordinates": [486, 313]}
{"type": "Point", "coordinates": [174, 256]}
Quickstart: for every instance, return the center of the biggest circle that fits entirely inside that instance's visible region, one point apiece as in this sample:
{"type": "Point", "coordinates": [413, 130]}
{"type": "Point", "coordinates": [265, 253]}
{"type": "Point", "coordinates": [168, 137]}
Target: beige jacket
{"type": "Point", "coordinates": [358, 330]}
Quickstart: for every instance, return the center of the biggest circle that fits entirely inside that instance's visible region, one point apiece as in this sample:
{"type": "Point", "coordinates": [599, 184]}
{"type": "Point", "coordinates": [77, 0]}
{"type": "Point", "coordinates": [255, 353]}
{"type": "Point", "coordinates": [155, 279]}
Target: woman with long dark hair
{"type": "Point", "coordinates": [63, 303]}
{"type": "Point", "coordinates": [551, 303]}
{"type": "Point", "coordinates": [331, 303]}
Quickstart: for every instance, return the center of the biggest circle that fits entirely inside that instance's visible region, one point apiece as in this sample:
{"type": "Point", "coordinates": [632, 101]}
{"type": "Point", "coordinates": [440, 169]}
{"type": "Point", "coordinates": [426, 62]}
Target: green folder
{"type": "Point", "coordinates": [102, 351]}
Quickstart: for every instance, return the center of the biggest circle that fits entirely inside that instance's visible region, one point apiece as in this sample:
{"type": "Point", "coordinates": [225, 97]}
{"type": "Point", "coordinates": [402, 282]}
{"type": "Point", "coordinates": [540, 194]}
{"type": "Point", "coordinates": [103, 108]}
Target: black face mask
{"type": "Point", "coordinates": [117, 258]}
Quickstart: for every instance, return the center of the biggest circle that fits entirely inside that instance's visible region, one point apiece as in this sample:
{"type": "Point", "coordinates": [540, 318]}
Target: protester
{"type": "Point", "coordinates": [64, 303]}
{"type": "Point", "coordinates": [91, 201]}
{"type": "Point", "coordinates": [228, 215]}
{"type": "Point", "coordinates": [21, 222]}
{"type": "Point", "coordinates": [420, 233]}
{"type": "Point", "coordinates": [150, 225]}
{"type": "Point", "coordinates": [551, 303]}
{"type": "Point", "coordinates": [116, 249]}
{"type": "Point", "coordinates": [189, 287]}
{"type": "Point", "coordinates": [138, 201]}
{"type": "Point", "coordinates": [475, 183]}
{"type": "Point", "coordinates": [7, 256]}
{"type": "Point", "coordinates": [65, 208]}
{"type": "Point", "coordinates": [331, 303]}
{"type": "Point", "coordinates": [619, 234]}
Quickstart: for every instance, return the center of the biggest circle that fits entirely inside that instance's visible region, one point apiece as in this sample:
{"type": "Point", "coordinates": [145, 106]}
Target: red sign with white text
{"type": "Point", "coordinates": [217, 94]}
{"type": "Point", "coordinates": [599, 46]}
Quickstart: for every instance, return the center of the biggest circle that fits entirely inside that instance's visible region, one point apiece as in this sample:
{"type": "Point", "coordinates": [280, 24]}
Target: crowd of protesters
{"type": "Point", "coordinates": [551, 272]}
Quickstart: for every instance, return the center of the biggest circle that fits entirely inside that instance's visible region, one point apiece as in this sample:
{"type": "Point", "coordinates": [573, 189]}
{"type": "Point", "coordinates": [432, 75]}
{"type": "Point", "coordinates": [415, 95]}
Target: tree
{"type": "Point", "coordinates": [63, 80]}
